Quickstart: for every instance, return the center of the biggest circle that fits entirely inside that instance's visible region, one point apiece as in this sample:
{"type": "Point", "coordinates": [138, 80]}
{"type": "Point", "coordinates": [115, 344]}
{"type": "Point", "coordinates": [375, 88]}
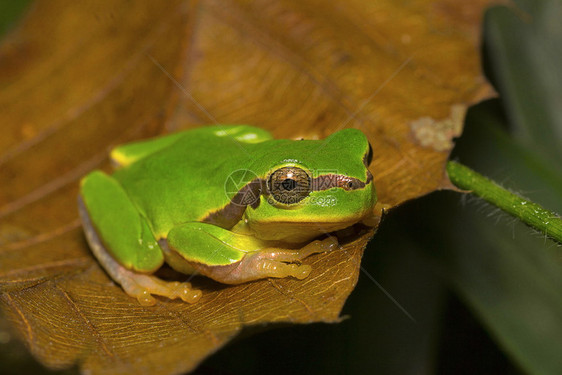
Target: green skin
{"type": "Point", "coordinates": [171, 200]}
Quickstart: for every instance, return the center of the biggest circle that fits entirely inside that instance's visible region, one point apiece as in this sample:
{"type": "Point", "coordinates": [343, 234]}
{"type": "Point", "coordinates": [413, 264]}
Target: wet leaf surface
{"type": "Point", "coordinates": [78, 79]}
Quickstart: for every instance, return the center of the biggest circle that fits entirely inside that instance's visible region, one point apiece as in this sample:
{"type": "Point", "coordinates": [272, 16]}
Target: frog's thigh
{"type": "Point", "coordinates": [233, 258]}
{"type": "Point", "coordinates": [128, 244]}
{"type": "Point", "coordinates": [125, 234]}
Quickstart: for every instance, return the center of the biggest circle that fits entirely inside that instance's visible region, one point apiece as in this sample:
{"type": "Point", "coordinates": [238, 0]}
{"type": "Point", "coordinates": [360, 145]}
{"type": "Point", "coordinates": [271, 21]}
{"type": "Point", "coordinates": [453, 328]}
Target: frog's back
{"type": "Point", "coordinates": [186, 180]}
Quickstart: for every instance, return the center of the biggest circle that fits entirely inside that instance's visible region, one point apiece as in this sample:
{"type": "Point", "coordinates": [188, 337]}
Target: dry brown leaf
{"type": "Point", "coordinates": [80, 77]}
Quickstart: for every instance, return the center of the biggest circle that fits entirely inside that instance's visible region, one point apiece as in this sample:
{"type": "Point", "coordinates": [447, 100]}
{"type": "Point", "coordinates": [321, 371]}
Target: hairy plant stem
{"type": "Point", "coordinates": [530, 213]}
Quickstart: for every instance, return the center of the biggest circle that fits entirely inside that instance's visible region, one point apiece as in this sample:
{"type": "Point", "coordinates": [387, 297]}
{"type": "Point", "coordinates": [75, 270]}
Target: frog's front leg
{"type": "Point", "coordinates": [123, 243]}
{"type": "Point", "coordinates": [233, 258]}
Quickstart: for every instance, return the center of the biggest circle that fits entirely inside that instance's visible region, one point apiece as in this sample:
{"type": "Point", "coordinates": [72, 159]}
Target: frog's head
{"type": "Point", "coordinates": [310, 188]}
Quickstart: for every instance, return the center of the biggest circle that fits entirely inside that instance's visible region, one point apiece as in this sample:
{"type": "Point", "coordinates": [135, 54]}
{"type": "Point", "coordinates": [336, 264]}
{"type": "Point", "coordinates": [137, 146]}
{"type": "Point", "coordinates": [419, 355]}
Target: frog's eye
{"type": "Point", "coordinates": [368, 156]}
{"type": "Point", "coordinates": [289, 185]}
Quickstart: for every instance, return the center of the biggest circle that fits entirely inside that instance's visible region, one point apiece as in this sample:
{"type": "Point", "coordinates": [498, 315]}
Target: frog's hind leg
{"type": "Point", "coordinates": [128, 249]}
{"type": "Point", "coordinates": [137, 285]}
{"type": "Point", "coordinates": [233, 258]}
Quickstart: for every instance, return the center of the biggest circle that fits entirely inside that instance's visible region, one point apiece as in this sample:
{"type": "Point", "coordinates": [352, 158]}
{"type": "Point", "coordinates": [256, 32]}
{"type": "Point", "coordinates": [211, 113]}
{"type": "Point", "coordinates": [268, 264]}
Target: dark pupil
{"type": "Point", "coordinates": [289, 184]}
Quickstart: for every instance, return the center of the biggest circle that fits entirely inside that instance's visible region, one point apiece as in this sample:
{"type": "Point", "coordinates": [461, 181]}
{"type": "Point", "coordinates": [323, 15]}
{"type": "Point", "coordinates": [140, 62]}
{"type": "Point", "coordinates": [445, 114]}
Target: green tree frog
{"type": "Point", "coordinates": [226, 201]}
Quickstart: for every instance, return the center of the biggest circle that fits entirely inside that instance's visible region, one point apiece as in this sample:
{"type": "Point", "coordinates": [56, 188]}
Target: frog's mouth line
{"type": "Point", "coordinates": [298, 232]}
{"type": "Point", "coordinates": [311, 224]}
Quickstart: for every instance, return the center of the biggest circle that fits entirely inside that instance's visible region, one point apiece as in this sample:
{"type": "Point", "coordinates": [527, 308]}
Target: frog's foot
{"type": "Point", "coordinates": [269, 262]}
{"type": "Point", "coordinates": [143, 286]}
